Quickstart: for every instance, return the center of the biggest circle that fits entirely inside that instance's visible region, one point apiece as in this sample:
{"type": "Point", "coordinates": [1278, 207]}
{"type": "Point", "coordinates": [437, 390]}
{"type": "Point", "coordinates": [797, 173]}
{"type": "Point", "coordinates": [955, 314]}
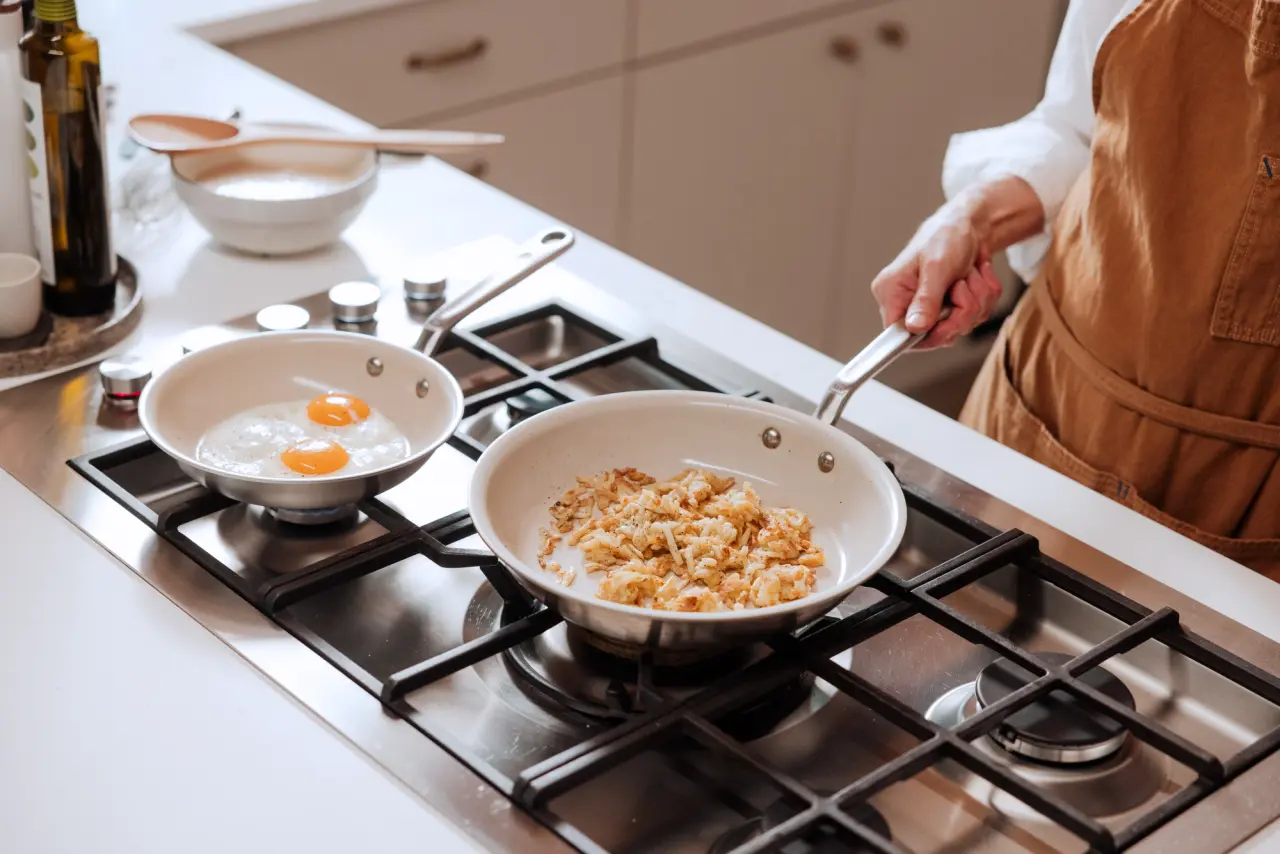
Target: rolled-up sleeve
{"type": "Point", "coordinates": [1049, 147]}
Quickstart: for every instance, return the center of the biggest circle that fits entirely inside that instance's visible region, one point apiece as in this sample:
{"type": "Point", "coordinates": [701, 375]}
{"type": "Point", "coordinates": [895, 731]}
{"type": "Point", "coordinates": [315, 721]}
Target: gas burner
{"type": "Point", "coordinates": [1058, 729]}
{"type": "Point", "coordinates": [531, 403]}
{"type": "Point", "coordinates": [780, 811]}
{"type": "Point", "coordinates": [336, 516]}
{"type": "Point", "coordinates": [565, 670]}
{"type": "Point", "coordinates": [1108, 785]}
{"type": "Point", "coordinates": [701, 662]}
{"type": "Point", "coordinates": [494, 420]}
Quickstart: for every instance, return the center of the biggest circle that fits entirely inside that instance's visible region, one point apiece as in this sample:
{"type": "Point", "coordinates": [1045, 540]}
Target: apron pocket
{"type": "Point", "coordinates": [1017, 427]}
{"type": "Point", "coordinates": [1247, 303]}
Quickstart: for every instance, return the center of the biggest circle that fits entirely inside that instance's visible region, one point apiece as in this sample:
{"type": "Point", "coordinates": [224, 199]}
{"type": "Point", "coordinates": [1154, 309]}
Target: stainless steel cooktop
{"type": "Point", "coordinates": [979, 695]}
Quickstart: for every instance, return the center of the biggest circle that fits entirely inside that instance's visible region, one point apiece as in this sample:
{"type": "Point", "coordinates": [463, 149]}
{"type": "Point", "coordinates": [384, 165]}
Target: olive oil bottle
{"type": "Point", "coordinates": [70, 198]}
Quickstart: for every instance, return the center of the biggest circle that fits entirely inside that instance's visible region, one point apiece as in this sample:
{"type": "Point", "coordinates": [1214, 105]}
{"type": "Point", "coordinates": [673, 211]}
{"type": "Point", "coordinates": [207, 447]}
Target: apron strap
{"type": "Point", "coordinates": [1126, 394]}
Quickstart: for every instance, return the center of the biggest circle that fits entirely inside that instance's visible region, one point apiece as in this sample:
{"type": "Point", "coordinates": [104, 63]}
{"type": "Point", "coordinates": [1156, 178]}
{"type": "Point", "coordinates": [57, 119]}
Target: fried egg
{"type": "Point", "coordinates": [337, 410]}
{"type": "Point", "coordinates": [332, 433]}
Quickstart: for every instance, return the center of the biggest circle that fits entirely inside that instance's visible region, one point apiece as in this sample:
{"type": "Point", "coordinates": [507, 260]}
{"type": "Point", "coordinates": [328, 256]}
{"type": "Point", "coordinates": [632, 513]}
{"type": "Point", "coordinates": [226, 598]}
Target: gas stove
{"type": "Point", "coordinates": [980, 694]}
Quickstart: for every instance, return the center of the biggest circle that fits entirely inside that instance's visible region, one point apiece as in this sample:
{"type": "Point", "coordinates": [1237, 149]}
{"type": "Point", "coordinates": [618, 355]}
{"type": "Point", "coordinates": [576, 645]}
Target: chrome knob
{"type": "Point", "coordinates": [426, 282]}
{"type": "Point", "coordinates": [123, 379]}
{"type": "Point", "coordinates": [207, 336]}
{"type": "Point", "coordinates": [283, 318]}
{"type": "Point", "coordinates": [354, 302]}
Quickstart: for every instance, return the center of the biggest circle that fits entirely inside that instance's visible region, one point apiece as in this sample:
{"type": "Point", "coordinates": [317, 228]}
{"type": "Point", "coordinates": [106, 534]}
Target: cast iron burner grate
{"type": "Point", "coordinates": [824, 842]}
{"type": "Point", "coordinates": [841, 816]}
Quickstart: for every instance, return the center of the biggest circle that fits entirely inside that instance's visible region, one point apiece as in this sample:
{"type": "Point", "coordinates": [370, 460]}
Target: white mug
{"type": "Point", "coordinates": [21, 294]}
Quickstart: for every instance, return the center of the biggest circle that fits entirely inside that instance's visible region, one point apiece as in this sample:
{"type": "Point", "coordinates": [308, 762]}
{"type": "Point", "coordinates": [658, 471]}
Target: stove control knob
{"type": "Point", "coordinates": [123, 379]}
{"type": "Point", "coordinates": [426, 282]}
{"type": "Point", "coordinates": [207, 336]}
{"type": "Point", "coordinates": [283, 318]}
{"type": "Point", "coordinates": [354, 302]}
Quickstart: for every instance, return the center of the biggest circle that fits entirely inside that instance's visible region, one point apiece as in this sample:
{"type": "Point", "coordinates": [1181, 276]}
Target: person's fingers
{"type": "Point", "coordinates": [942, 265]}
{"type": "Point", "coordinates": [990, 289]}
{"type": "Point", "coordinates": [965, 308]}
{"type": "Point", "coordinates": [973, 299]}
{"type": "Point", "coordinates": [935, 279]}
{"type": "Point", "coordinates": [893, 290]}
{"type": "Point", "coordinates": [982, 296]}
{"type": "Point", "coordinates": [986, 290]}
{"type": "Point", "coordinates": [941, 254]}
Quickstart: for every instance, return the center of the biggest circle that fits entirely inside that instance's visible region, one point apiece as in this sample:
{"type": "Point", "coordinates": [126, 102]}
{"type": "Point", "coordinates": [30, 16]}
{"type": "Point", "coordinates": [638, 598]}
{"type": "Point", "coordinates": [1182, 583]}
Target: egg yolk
{"type": "Point", "coordinates": [337, 410]}
{"type": "Point", "coordinates": [315, 456]}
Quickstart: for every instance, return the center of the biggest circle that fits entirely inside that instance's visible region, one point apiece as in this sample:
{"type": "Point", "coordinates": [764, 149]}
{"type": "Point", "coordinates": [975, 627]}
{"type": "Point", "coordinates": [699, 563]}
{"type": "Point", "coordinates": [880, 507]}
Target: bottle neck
{"type": "Point", "coordinates": [55, 12]}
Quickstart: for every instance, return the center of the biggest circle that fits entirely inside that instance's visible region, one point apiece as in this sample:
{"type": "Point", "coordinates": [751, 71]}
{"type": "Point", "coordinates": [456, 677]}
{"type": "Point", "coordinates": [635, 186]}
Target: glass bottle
{"type": "Point", "coordinates": [70, 196]}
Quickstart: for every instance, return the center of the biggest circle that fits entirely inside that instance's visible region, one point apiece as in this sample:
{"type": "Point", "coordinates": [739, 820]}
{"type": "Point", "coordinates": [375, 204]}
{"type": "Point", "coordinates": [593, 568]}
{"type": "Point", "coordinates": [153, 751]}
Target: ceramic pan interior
{"type": "Point", "coordinates": [208, 386]}
{"type": "Point", "coordinates": [858, 510]}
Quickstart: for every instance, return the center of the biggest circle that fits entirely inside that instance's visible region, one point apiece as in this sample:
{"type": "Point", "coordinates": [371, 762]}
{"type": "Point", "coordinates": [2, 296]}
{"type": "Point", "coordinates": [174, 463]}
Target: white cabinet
{"type": "Point", "coordinates": [774, 155]}
{"type": "Point", "coordinates": [562, 155]}
{"type": "Point", "coordinates": [736, 180]}
{"type": "Point", "coordinates": [662, 25]}
{"type": "Point", "coordinates": [928, 69]}
{"type": "Point", "coordinates": [398, 64]}
{"type": "Point", "coordinates": [780, 174]}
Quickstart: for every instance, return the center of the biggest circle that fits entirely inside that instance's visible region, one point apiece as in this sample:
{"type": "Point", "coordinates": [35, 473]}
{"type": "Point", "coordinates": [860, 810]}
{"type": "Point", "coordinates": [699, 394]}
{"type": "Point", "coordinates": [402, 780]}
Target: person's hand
{"type": "Point", "coordinates": [947, 260]}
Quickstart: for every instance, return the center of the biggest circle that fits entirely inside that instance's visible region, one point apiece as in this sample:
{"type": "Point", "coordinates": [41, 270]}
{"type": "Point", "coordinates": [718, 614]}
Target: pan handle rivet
{"type": "Point", "coordinates": [771, 438]}
{"type": "Point", "coordinates": [826, 461]}
{"type": "Point", "coordinates": [374, 366]}
{"type": "Point", "coordinates": [422, 388]}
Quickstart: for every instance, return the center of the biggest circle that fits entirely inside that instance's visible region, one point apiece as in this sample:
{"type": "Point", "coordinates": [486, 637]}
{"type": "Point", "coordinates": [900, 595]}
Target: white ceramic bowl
{"type": "Point", "coordinates": [276, 199]}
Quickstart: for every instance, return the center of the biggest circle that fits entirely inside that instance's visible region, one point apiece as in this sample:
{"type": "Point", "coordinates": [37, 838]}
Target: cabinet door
{"type": "Point", "coordinates": [932, 68]}
{"type": "Point", "coordinates": [417, 60]}
{"type": "Point", "coordinates": [662, 25]}
{"type": "Point", "coordinates": [736, 173]}
{"type": "Point", "coordinates": [562, 153]}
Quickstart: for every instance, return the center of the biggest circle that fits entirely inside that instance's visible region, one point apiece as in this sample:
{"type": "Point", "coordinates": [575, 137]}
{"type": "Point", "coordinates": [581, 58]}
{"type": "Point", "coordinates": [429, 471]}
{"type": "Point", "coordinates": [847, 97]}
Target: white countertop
{"type": "Point", "coordinates": [125, 726]}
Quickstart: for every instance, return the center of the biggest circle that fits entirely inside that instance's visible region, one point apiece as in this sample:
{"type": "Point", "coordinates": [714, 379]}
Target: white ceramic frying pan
{"type": "Point", "coordinates": [792, 459]}
{"type": "Point", "coordinates": [414, 391]}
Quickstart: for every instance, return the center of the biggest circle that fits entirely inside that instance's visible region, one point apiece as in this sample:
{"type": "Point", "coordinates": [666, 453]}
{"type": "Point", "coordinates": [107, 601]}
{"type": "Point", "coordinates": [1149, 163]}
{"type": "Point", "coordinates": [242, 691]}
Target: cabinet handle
{"type": "Point", "coordinates": [845, 49]}
{"type": "Point", "coordinates": [448, 57]}
{"type": "Point", "coordinates": [478, 169]}
{"type": "Point", "coordinates": [892, 34]}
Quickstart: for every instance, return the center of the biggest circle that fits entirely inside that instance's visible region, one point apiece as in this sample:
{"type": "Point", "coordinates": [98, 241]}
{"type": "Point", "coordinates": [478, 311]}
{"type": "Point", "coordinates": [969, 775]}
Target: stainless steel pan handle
{"type": "Point", "coordinates": [873, 359]}
{"type": "Point", "coordinates": [535, 254]}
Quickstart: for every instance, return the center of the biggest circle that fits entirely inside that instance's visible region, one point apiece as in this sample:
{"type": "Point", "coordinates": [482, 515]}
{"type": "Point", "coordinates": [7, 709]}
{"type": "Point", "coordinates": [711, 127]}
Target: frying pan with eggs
{"type": "Point", "coordinates": [792, 459]}
{"type": "Point", "coordinates": [408, 387]}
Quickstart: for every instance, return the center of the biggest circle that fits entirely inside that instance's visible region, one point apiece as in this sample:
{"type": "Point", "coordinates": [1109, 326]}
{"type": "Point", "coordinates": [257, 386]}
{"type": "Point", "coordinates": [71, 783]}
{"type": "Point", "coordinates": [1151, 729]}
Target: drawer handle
{"type": "Point", "coordinates": [478, 169]}
{"type": "Point", "coordinates": [892, 34]}
{"type": "Point", "coordinates": [449, 57]}
{"type": "Point", "coordinates": [845, 49]}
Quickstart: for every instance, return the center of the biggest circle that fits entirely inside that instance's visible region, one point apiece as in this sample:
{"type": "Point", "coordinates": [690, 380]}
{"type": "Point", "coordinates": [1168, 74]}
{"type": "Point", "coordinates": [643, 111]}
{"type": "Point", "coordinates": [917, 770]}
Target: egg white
{"type": "Point", "coordinates": [250, 443]}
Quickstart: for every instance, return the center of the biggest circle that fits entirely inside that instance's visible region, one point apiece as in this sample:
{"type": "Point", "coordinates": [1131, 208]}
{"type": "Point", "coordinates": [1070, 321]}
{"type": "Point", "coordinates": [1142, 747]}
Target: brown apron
{"type": "Point", "coordinates": [1145, 361]}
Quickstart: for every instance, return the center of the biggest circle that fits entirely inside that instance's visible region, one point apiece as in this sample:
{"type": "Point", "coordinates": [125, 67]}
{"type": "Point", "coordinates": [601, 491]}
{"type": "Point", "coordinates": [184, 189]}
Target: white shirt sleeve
{"type": "Point", "coordinates": [1049, 147]}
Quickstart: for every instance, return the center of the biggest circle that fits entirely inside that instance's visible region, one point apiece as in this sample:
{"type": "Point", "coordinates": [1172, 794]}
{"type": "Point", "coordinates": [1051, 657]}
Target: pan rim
{"type": "Point", "coordinates": [875, 468]}
{"type": "Point", "coordinates": [148, 427]}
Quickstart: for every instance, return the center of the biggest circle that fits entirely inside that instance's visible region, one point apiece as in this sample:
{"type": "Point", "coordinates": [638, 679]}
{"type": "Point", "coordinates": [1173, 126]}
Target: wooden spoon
{"type": "Point", "coordinates": [174, 134]}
